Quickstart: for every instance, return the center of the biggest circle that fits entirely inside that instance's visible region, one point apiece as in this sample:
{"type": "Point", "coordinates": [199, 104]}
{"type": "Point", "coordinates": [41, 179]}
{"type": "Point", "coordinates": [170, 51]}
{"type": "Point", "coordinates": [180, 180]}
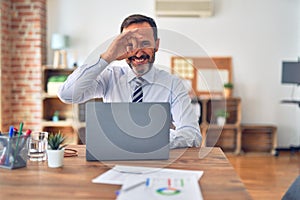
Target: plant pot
{"type": "Point", "coordinates": [221, 121]}
{"type": "Point", "coordinates": [227, 92]}
{"type": "Point", "coordinates": [55, 158]}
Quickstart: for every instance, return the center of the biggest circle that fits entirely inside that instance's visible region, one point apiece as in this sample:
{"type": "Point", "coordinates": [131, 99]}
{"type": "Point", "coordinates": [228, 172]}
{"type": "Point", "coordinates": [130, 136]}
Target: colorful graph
{"type": "Point", "coordinates": [169, 191]}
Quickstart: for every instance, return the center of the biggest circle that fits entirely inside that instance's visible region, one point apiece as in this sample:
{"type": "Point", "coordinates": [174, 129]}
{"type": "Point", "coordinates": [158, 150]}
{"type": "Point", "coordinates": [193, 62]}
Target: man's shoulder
{"type": "Point", "coordinates": [162, 73]}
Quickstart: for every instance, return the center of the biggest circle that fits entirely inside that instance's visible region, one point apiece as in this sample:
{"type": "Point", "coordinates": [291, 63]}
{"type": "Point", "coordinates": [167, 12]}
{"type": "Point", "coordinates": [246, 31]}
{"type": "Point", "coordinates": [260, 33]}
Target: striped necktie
{"type": "Point", "coordinates": [138, 92]}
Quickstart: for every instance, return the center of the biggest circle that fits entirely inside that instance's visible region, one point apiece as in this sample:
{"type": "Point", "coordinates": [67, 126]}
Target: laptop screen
{"type": "Point", "coordinates": [127, 131]}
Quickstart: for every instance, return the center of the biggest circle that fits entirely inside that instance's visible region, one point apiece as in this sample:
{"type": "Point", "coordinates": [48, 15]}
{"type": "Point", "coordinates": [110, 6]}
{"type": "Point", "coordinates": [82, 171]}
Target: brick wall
{"type": "Point", "coordinates": [6, 86]}
{"type": "Point", "coordinates": [23, 52]}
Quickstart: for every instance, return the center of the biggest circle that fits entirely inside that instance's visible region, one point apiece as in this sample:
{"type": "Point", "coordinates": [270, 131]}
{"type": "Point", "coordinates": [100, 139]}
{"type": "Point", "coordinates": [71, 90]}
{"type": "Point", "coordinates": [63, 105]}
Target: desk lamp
{"type": "Point", "coordinates": [59, 43]}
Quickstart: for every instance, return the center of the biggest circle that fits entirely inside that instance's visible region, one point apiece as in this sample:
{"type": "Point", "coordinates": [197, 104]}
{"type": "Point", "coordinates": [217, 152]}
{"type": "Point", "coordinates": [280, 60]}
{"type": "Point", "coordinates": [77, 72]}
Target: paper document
{"type": "Point", "coordinates": [161, 188]}
{"type": "Point", "coordinates": [121, 173]}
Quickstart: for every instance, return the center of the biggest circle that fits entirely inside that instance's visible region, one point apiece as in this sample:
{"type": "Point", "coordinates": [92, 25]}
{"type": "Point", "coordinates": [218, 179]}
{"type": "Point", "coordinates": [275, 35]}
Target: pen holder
{"type": "Point", "coordinates": [13, 151]}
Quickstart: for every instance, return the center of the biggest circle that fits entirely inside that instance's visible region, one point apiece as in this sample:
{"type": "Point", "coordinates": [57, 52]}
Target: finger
{"type": "Point", "coordinates": [127, 44]}
{"type": "Point", "coordinates": [135, 43]}
{"type": "Point", "coordinates": [132, 35]}
{"type": "Point", "coordinates": [121, 57]}
{"type": "Point", "coordinates": [129, 47]}
{"type": "Point", "coordinates": [124, 55]}
{"type": "Point", "coordinates": [128, 54]}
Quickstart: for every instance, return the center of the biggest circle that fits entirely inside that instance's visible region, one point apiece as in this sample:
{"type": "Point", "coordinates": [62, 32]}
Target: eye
{"type": "Point", "coordinates": [146, 43]}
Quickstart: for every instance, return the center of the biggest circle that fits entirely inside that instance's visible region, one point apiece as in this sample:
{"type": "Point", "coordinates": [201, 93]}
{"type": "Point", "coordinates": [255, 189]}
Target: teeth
{"type": "Point", "coordinates": [142, 58]}
{"type": "Point", "coordinates": [139, 59]}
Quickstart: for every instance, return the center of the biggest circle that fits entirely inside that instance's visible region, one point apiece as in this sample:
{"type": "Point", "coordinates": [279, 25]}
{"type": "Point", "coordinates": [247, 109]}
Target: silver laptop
{"type": "Point", "coordinates": [127, 131]}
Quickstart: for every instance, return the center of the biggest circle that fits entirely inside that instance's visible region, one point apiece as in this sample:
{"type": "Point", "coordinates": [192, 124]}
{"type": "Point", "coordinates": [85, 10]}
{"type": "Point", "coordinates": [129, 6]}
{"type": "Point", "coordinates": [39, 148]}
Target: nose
{"type": "Point", "coordinates": [139, 53]}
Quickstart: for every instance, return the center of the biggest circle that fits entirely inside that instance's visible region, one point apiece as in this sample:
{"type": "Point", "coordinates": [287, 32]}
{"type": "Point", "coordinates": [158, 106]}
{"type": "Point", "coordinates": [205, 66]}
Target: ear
{"type": "Point", "coordinates": [157, 44]}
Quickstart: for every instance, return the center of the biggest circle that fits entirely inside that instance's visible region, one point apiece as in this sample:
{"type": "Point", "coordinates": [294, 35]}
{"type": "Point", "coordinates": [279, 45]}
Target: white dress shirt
{"type": "Point", "coordinates": [115, 84]}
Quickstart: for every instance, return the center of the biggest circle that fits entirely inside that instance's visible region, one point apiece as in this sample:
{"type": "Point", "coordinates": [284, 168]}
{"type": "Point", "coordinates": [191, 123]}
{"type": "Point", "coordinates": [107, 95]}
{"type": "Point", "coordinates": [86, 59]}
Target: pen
{"type": "Point", "coordinates": [21, 128]}
{"type": "Point", "coordinates": [11, 132]}
{"type": "Point", "coordinates": [15, 131]}
{"type": "Point", "coordinates": [130, 187]}
{"type": "Point", "coordinates": [182, 182]}
{"type": "Point", "coordinates": [19, 135]}
{"type": "Point", "coordinates": [10, 135]}
{"type": "Point", "coordinates": [169, 182]}
{"type": "Point", "coordinates": [27, 134]}
{"type": "Point", "coordinates": [147, 182]}
{"type": "Point", "coordinates": [128, 172]}
{"type": "Point", "coordinates": [2, 158]}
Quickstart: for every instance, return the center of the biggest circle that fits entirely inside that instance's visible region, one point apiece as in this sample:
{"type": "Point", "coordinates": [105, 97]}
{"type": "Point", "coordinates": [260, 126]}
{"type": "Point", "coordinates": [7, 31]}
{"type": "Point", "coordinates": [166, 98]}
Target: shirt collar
{"type": "Point", "coordinates": [148, 77]}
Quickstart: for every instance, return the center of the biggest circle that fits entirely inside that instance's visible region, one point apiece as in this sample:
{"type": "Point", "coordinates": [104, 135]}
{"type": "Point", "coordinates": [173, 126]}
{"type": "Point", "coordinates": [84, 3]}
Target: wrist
{"type": "Point", "coordinates": [106, 57]}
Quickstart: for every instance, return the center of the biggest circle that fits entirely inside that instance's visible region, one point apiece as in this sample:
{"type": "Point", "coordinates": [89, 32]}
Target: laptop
{"type": "Point", "coordinates": [127, 131]}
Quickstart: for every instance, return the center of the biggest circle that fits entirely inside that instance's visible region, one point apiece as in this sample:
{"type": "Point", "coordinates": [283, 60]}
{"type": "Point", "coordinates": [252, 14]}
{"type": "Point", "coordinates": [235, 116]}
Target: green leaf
{"type": "Point", "coordinates": [228, 85]}
{"type": "Point", "coordinates": [55, 141]}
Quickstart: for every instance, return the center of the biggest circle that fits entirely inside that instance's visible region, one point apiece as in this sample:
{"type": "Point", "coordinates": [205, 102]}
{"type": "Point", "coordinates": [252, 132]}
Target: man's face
{"type": "Point", "coordinates": [144, 47]}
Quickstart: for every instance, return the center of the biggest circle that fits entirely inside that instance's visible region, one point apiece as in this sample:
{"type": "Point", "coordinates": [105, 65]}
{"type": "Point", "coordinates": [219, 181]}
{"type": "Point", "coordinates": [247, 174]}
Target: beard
{"type": "Point", "coordinates": [141, 69]}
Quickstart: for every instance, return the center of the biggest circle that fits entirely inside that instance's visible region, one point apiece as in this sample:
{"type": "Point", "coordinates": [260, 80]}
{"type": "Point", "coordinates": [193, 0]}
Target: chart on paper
{"type": "Point", "coordinates": [161, 188]}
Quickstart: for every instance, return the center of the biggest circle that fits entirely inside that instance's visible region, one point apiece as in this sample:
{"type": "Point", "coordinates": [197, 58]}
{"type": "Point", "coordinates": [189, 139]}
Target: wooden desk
{"type": "Point", "coordinates": [73, 181]}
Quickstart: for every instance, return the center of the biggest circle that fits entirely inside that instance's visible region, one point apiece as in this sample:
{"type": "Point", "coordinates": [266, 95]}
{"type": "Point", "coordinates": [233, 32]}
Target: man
{"type": "Point", "coordinates": [137, 44]}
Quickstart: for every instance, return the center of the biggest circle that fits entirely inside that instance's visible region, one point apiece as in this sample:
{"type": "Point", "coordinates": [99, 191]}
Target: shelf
{"type": "Point", "coordinates": [46, 95]}
{"type": "Point", "coordinates": [51, 104]}
{"type": "Point", "coordinates": [61, 123]}
{"type": "Point", "coordinates": [67, 131]}
{"type": "Point", "coordinates": [225, 126]}
{"type": "Point", "coordinates": [50, 71]}
{"type": "Point", "coordinates": [228, 136]}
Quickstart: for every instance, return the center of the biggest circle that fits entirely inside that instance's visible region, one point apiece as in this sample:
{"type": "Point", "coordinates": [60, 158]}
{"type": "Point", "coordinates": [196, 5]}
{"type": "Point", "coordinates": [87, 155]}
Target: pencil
{"type": "Point", "coordinates": [130, 187]}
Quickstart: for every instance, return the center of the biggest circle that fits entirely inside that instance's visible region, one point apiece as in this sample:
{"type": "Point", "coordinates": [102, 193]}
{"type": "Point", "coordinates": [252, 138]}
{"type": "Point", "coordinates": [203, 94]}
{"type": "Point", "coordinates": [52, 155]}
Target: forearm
{"type": "Point", "coordinates": [187, 131]}
{"type": "Point", "coordinates": [81, 84]}
{"type": "Point", "coordinates": [186, 137]}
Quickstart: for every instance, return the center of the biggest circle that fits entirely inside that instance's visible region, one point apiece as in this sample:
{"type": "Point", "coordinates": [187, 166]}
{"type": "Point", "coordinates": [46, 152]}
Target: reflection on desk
{"type": "Point", "coordinates": [74, 180]}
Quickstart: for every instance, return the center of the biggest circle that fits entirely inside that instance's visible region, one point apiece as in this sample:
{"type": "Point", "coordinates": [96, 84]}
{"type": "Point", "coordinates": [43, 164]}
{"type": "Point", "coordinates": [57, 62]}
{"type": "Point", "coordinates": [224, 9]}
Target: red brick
{"type": "Point", "coordinates": [18, 1]}
{"type": "Point", "coordinates": [20, 62]}
{"type": "Point", "coordinates": [21, 7]}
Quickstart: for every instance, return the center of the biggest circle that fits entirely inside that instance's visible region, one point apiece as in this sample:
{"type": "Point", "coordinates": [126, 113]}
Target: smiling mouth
{"type": "Point", "coordinates": [140, 59]}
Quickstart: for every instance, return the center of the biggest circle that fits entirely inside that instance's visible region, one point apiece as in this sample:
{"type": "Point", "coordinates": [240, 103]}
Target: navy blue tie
{"type": "Point", "coordinates": [138, 92]}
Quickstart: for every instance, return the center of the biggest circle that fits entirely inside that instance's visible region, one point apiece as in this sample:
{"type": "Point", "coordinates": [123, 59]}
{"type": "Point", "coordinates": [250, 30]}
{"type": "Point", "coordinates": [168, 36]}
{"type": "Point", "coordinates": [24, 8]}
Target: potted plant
{"type": "Point", "coordinates": [55, 150]}
{"type": "Point", "coordinates": [228, 87]}
{"type": "Point", "coordinates": [221, 115]}
{"type": "Point", "coordinates": [54, 82]}
{"type": "Point", "coordinates": [55, 116]}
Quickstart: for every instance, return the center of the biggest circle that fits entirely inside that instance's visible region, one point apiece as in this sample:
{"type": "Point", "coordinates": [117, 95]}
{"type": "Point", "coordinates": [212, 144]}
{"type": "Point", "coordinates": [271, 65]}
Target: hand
{"type": "Point", "coordinates": [128, 43]}
{"type": "Point", "coordinates": [123, 46]}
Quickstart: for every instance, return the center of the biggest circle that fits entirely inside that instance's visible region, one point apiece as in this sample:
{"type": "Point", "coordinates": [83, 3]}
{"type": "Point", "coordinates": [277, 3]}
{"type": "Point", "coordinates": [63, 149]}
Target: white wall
{"type": "Point", "coordinates": [257, 34]}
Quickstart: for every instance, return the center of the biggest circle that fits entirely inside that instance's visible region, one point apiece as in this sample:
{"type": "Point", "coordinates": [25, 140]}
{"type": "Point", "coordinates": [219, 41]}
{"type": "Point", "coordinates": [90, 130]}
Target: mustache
{"type": "Point", "coordinates": [141, 57]}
